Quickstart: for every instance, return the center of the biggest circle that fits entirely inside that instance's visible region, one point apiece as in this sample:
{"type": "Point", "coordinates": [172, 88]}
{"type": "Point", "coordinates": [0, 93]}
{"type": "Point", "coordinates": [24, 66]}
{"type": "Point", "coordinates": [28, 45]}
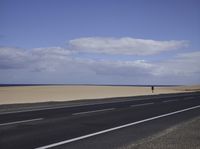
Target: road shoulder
{"type": "Point", "coordinates": [182, 136]}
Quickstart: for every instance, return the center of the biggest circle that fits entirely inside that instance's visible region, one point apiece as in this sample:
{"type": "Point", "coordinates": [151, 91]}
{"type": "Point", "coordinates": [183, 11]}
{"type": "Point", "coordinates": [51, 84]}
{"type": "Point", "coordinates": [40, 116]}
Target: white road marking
{"type": "Point", "coordinates": [144, 104]}
{"type": "Point", "coordinates": [24, 121]}
{"type": "Point", "coordinates": [116, 128]}
{"type": "Point", "coordinates": [171, 100]}
{"type": "Point", "coordinates": [94, 111]}
{"type": "Point", "coordinates": [188, 98]}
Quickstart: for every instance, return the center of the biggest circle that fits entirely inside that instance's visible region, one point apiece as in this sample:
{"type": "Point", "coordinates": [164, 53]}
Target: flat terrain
{"type": "Point", "coordinates": [35, 94]}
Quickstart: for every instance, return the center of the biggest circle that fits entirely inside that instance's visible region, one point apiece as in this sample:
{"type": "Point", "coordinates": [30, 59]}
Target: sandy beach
{"type": "Point", "coordinates": [33, 94]}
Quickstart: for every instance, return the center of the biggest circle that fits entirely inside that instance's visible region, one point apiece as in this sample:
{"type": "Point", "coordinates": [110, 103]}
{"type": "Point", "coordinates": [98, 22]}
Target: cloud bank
{"type": "Point", "coordinates": [65, 65]}
{"type": "Point", "coordinates": [126, 45]}
{"type": "Point", "coordinates": [13, 58]}
{"type": "Point", "coordinates": [38, 59]}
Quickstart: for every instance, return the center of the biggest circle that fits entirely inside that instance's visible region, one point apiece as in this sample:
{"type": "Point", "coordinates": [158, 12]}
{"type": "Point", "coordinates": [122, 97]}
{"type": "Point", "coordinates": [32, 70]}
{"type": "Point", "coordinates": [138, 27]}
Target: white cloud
{"type": "Point", "coordinates": [184, 67]}
{"type": "Point", "coordinates": [54, 58]}
{"type": "Point", "coordinates": [49, 58]}
{"type": "Point", "coordinates": [120, 68]}
{"type": "Point", "coordinates": [11, 58]}
{"type": "Point", "coordinates": [126, 45]}
{"type": "Point", "coordinates": [184, 64]}
{"type": "Point", "coordinates": [57, 63]}
{"type": "Point", "coordinates": [54, 52]}
{"type": "Point", "coordinates": [38, 59]}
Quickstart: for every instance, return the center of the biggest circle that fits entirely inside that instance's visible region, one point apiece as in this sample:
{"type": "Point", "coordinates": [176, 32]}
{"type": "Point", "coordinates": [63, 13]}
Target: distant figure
{"type": "Point", "coordinates": [152, 89]}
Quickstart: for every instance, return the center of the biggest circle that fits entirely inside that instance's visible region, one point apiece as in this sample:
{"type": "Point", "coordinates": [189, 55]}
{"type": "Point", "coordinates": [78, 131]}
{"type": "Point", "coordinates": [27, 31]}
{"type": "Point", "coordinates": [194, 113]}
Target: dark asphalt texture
{"type": "Point", "coordinates": [65, 123]}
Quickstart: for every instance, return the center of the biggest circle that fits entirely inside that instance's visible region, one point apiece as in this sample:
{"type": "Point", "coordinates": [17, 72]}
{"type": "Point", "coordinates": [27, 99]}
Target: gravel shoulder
{"type": "Point", "coordinates": [181, 136]}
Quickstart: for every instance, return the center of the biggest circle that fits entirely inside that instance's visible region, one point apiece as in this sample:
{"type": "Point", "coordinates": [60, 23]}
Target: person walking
{"type": "Point", "coordinates": [152, 89]}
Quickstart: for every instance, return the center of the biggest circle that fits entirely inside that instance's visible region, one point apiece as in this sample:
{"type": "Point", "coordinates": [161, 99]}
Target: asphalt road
{"type": "Point", "coordinates": [110, 124]}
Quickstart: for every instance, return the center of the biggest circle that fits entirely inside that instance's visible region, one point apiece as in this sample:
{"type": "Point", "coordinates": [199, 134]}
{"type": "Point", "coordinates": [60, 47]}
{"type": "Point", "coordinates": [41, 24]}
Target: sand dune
{"type": "Point", "coordinates": [32, 94]}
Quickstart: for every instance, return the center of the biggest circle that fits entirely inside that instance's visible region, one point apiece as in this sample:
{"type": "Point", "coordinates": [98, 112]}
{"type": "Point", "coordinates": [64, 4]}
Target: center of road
{"type": "Point", "coordinates": [170, 100]}
{"type": "Point", "coordinates": [94, 111]}
{"type": "Point", "coordinates": [144, 104]}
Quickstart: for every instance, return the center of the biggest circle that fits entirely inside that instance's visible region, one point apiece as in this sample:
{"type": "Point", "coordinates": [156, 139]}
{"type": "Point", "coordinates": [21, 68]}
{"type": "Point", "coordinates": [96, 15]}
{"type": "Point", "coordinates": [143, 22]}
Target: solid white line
{"type": "Point", "coordinates": [171, 100]}
{"type": "Point", "coordinates": [144, 104]}
{"type": "Point", "coordinates": [116, 128]}
{"type": "Point", "coordinates": [24, 121]}
{"type": "Point", "coordinates": [94, 111]}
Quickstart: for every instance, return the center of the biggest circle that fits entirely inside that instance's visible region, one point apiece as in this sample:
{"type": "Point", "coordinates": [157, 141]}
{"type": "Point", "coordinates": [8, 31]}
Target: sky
{"type": "Point", "coordinates": [120, 42]}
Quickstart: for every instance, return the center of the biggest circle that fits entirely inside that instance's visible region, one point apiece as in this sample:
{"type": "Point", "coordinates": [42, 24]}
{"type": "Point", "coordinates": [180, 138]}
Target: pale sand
{"type": "Point", "coordinates": [33, 94]}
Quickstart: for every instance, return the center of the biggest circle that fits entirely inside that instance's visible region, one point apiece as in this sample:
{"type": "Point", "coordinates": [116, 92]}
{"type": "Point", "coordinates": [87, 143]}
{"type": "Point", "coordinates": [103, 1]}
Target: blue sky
{"type": "Point", "coordinates": [100, 41]}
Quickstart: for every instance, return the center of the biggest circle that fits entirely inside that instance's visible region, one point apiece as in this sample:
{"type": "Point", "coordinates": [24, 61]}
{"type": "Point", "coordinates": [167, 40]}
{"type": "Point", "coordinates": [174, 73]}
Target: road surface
{"type": "Point", "coordinates": [110, 124]}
